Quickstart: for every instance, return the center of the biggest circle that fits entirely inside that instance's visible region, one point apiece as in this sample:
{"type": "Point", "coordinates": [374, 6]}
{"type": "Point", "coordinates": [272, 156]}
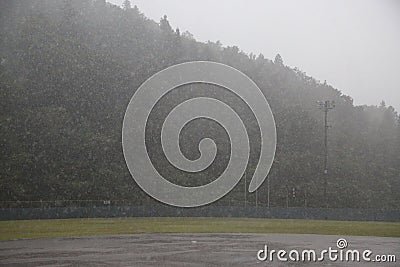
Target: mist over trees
{"type": "Point", "coordinates": [69, 68]}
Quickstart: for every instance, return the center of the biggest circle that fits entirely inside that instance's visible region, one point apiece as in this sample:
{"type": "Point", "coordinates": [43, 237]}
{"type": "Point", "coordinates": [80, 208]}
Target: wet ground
{"type": "Point", "coordinates": [182, 250]}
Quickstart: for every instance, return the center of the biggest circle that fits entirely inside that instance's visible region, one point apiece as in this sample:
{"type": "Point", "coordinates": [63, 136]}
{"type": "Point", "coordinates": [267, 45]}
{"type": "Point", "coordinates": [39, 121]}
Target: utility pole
{"type": "Point", "coordinates": [325, 107]}
{"type": "Point", "coordinates": [287, 197]}
{"type": "Point", "coordinates": [245, 189]}
{"type": "Point", "coordinates": [256, 198]}
{"type": "Point", "coordinates": [268, 191]}
{"type": "Point", "coordinates": [305, 196]}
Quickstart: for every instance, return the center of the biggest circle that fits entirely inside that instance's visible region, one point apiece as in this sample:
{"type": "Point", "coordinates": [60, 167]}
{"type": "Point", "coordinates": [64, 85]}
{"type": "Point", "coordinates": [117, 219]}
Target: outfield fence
{"type": "Point", "coordinates": [26, 210]}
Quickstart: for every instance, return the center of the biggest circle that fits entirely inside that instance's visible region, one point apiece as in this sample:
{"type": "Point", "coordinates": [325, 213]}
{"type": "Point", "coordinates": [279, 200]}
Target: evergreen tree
{"type": "Point", "coordinates": [164, 25]}
{"type": "Point", "coordinates": [278, 60]}
{"type": "Point", "coordinates": [126, 5]}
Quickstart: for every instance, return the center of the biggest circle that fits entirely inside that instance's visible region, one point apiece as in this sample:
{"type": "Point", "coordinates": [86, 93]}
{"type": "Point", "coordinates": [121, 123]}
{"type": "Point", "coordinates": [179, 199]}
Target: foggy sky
{"type": "Point", "coordinates": [353, 45]}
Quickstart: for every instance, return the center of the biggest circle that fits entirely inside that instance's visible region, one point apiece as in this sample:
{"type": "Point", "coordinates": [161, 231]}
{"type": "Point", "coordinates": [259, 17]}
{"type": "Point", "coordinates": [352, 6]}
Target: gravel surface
{"type": "Point", "coordinates": [181, 249]}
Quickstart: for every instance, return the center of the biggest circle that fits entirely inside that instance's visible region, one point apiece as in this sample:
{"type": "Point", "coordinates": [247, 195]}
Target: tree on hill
{"type": "Point", "coordinates": [126, 5]}
{"type": "Point", "coordinates": [278, 60]}
{"type": "Point", "coordinates": [65, 86]}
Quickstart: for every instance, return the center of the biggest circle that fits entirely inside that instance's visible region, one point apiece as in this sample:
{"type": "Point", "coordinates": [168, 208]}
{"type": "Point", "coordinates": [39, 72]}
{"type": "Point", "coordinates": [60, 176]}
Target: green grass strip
{"type": "Point", "coordinates": [100, 226]}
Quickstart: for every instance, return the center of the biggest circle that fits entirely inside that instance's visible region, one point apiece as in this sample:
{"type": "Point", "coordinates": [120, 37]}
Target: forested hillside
{"type": "Point", "coordinates": [69, 68]}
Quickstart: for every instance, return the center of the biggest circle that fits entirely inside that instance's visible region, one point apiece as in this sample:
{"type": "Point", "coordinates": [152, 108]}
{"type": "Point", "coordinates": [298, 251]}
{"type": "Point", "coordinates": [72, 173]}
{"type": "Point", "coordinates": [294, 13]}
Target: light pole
{"type": "Point", "coordinates": [245, 189]}
{"type": "Point", "coordinates": [268, 191]}
{"type": "Point", "coordinates": [325, 106]}
{"type": "Point", "coordinates": [256, 198]}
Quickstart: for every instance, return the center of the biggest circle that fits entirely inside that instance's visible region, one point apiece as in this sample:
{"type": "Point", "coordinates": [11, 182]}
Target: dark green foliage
{"type": "Point", "coordinates": [69, 68]}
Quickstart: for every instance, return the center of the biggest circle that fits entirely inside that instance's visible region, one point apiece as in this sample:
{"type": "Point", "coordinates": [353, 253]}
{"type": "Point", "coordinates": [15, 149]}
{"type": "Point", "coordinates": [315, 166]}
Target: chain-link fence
{"type": "Point", "coordinates": [107, 202]}
{"type": "Point", "coordinates": [60, 209]}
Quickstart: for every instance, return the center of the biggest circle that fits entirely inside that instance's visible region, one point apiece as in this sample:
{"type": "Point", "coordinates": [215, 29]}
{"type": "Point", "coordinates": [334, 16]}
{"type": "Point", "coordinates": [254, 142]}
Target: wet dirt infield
{"type": "Point", "coordinates": [200, 249]}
